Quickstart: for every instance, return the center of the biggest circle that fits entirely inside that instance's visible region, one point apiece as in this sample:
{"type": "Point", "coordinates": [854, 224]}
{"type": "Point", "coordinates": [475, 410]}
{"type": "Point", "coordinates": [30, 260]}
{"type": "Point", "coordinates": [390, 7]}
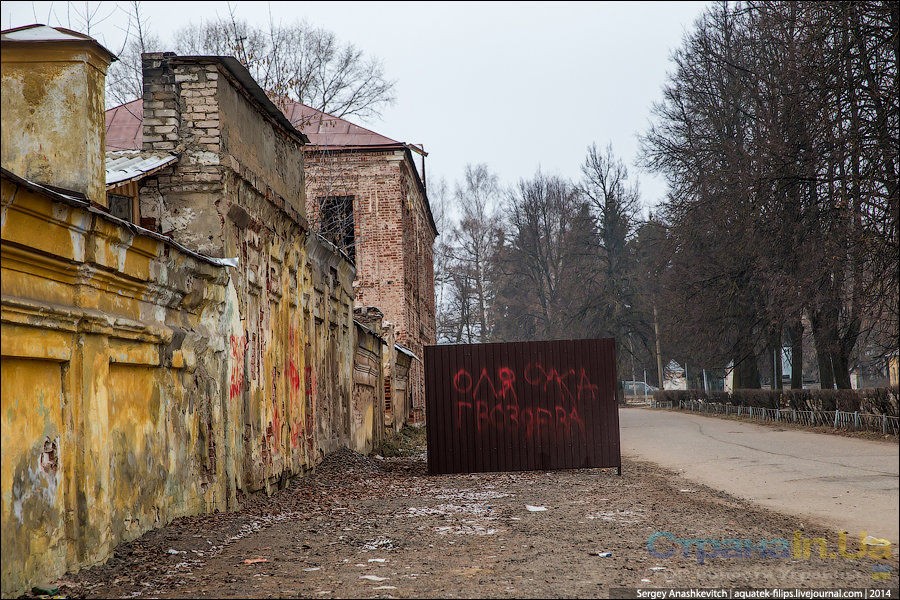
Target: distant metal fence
{"type": "Point", "coordinates": [837, 419]}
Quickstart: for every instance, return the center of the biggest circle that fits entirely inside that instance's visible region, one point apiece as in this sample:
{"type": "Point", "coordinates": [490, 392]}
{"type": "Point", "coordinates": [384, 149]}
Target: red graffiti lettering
{"type": "Point", "coordinates": [507, 379]}
{"type": "Point", "coordinates": [293, 376]}
{"type": "Point", "coordinates": [585, 389]}
{"type": "Point", "coordinates": [492, 403]}
{"type": "Point", "coordinates": [459, 412]}
{"type": "Point", "coordinates": [575, 420]}
{"type": "Point", "coordinates": [498, 423]}
{"type": "Point", "coordinates": [462, 381]}
{"type": "Point", "coordinates": [513, 411]}
{"type": "Point", "coordinates": [484, 382]}
{"type": "Point", "coordinates": [537, 375]}
{"type": "Point", "coordinates": [481, 415]}
{"type": "Point", "coordinates": [236, 381]}
{"type": "Point", "coordinates": [562, 422]}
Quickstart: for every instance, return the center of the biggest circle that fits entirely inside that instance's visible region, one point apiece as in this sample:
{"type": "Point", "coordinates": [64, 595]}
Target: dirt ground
{"type": "Point", "coordinates": [364, 527]}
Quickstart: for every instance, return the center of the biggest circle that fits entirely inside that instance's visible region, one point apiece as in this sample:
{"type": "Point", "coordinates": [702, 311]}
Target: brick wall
{"type": "Point", "coordinates": [237, 191]}
{"type": "Point", "coordinates": [394, 243]}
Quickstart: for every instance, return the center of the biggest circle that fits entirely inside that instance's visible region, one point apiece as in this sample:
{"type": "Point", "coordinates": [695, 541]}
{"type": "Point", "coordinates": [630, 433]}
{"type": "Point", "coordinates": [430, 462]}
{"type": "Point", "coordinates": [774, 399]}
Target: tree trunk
{"type": "Point", "coordinates": [795, 332]}
{"type": "Point", "coordinates": [775, 354]}
{"type": "Point", "coordinates": [840, 364]}
{"type": "Point", "coordinates": [823, 354]}
{"type": "Point", "coordinates": [746, 371]}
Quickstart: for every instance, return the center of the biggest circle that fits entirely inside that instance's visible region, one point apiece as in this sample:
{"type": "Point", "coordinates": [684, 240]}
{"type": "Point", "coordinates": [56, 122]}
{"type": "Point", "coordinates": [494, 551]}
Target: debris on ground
{"type": "Point", "coordinates": [426, 534]}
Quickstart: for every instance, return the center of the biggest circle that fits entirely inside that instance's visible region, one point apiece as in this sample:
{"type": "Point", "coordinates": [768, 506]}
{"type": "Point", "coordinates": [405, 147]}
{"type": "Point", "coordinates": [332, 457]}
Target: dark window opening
{"type": "Point", "coordinates": [120, 206]}
{"type": "Point", "coordinates": [336, 223]}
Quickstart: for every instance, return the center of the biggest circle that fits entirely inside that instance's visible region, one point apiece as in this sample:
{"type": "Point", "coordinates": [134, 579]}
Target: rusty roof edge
{"type": "Point", "coordinates": [76, 201]}
{"type": "Point", "coordinates": [424, 192]}
{"type": "Point", "coordinates": [407, 351]}
{"type": "Point", "coordinates": [370, 330]}
{"type": "Point", "coordinates": [323, 114]}
{"type": "Point", "coordinates": [82, 39]}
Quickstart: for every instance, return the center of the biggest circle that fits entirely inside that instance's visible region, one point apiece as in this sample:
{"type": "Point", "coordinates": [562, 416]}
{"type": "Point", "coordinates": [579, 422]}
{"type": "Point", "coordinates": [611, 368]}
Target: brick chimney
{"type": "Point", "coordinates": [181, 116]}
{"type": "Point", "coordinates": [53, 108]}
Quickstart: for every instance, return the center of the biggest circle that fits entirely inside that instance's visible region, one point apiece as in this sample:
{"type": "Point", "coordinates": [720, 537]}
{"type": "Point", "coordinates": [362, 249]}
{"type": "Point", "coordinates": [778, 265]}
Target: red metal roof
{"type": "Point", "coordinates": [327, 130]}
{"type": "Point", "coordinates": [123, 128]}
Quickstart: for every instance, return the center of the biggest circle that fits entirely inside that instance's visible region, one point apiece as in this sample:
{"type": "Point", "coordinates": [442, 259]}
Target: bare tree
{"type": "Point", "coordinates": [82, 16]}
{"type": "Point", "coordinates": [124, 81]}
{"type": "Point", "coordinates": [296, 61]}
{"type": "Point", "coordinates": [472, 244]}
{"type": "Point", "coordinates": [783, 211]}
{"type": "Point", "coordinates": [542, 267]}
{"type": "Point", "coordinates": [439, 200]}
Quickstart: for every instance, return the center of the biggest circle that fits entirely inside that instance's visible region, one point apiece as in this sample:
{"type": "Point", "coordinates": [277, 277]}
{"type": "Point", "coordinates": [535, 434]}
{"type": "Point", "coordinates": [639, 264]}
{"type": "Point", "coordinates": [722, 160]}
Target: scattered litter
{"type": "Point", "coordinates": [373, 578]}
{"type": "Point", "coordinates": [603, 554]}
{"type": "Point", "coordinates": [378, 560]}
{"type": "Point", "coordinates": [874, 541]}
{"type": "Point", "coordinates": [657, 568]}
{"type": "Point", "coordinates": [470, 508]}
{"type": "Point", "coordinates": [687, 490]}
{"type": "Point", "coordinates": [468, 529]}
{"type": "Point", "coordinates": [311, 569]}
{"type": "Point", "coordinates": [627, 517]}
{"type": "Point", "coordinates": [385, 587]}
{"type": "Point", "coordinates": [379, 457]}
{"type": "Point", "coordinates": [41, 590]}
{"type": "Point", "coordinates": [174, 551]}
{"type": "Point", "coordinates": [379, 544]}
{"type": "Point", "coordinates": [531, 508]}
{"type": "Point", "coordinates": [253, 561]}
{"type": "Point", "coordinates": [456, 494]}
{"type": "Point", "coordinates": [645, 581]}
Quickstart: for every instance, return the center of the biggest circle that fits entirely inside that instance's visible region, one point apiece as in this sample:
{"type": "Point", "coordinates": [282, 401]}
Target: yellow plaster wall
{"type": "Point", "coordinates": [53, 93]}
{"type": "Point", "coordinates": [166, 383]}
{"type": "Point", "coordinates": [112, 363]}
{"type": "Point", "coordinates": [141, 384]}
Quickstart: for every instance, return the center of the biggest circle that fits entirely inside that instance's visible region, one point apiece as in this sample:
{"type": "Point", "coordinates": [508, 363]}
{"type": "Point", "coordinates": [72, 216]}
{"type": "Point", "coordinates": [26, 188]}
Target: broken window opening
{"type": "Point", "coordinates": [336, 223]}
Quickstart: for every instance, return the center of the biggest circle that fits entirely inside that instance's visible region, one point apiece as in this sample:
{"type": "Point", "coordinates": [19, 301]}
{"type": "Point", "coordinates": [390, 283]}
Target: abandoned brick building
{"type": "Point", "coordinates": [174, 335]}
{"type": "Point", "coordinates": [364, 194]}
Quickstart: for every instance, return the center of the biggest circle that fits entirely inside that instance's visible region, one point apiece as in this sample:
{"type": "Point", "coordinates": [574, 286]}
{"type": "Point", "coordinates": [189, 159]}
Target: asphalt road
{"type": "Point", "coordinates": [846, 483]}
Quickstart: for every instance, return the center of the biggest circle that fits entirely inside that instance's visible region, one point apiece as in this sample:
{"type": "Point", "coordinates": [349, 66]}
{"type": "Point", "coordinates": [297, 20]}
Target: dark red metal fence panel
{"type": "Point", "coordinates": [522, 406]}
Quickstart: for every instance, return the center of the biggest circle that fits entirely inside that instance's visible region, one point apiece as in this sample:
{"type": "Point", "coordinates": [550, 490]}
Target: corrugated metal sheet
{"type": "Point", "coordinates": [128, 165]}
{"type": "Point", "coordinates": [406, 351]}
{"type": "Point", "coordinates": [522, 406]}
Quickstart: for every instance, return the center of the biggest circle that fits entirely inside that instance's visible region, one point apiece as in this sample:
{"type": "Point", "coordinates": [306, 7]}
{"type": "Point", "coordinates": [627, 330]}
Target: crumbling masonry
{"type": "Point", "coordinates": [156, 368]}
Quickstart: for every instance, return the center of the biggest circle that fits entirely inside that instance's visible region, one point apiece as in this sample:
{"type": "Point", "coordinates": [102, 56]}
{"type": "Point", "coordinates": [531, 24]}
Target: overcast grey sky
{"type": "Point", "coordinates": [519, 86]}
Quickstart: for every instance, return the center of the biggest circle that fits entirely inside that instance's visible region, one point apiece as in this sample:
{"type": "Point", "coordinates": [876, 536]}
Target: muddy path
{"type": "Point", "coordinates": [364, 527]}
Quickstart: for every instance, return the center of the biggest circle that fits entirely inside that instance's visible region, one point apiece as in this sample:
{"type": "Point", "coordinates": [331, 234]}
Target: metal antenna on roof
{"type": "Point", "coordinates": [424, 183]}
{"type": "Point", "coordinates": [240, 42]}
